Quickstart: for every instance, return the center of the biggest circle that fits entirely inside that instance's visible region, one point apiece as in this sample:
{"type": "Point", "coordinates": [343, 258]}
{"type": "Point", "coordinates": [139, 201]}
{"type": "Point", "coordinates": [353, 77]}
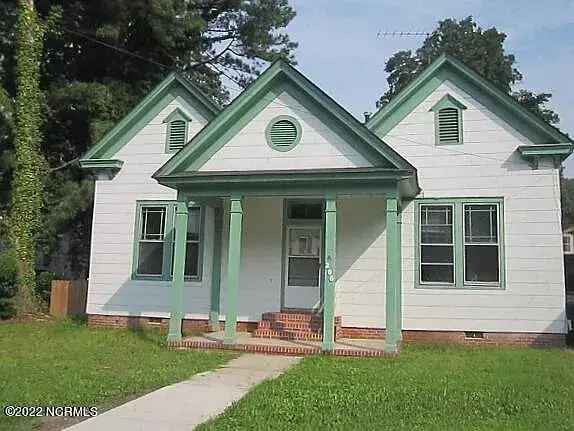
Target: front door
{"type": "Point", "coordinates": [303, 267]}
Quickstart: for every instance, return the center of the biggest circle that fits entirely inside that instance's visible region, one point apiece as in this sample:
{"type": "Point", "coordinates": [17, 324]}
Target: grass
{"type": "Point", "coordinates": [426, 388]}
{"type": "Point", "coordinates": [64, 364]}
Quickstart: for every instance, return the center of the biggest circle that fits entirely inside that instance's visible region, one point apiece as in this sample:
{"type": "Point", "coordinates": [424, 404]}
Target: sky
{"type": "Point", "coordinates": [340, 52]}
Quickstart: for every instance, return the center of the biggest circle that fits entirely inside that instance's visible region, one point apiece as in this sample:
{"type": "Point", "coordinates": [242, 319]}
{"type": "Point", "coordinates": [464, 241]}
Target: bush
{"type": "Point", "coordinates": [44, 286]}
{"type": "Point", "coordinates": [8, 286]}
{"type": "Point", "coordinates": [8, 273]}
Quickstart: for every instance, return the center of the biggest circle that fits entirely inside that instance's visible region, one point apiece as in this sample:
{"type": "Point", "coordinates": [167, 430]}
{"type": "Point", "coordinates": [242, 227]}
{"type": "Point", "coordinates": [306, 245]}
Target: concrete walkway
{"type": "Point", "coordinates": [185, 405]}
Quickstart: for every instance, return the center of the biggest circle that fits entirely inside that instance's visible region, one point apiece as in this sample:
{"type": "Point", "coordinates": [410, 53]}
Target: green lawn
{"type": "Point", "coordinates": [426, 388]}
{"type": "Point", "coordinates": [70, 364]}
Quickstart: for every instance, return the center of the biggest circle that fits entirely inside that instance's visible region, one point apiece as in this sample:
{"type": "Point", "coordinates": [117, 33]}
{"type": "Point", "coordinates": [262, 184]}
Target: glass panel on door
{"type": "Point", "coordinates": [304, 257]}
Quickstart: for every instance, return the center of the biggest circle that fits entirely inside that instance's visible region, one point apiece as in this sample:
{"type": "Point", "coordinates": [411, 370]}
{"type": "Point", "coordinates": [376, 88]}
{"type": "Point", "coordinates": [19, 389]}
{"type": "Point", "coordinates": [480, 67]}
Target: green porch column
{"type": "Point", "coordinates": [233, 269]}
{"type": "Point", "coordinates": [393, 279]}
{"type": "Point", "coordinates": [176, 316]}
{"type": "Point", "coordinates": [216, 270]}
{"type": "Point", "coordinates": [399, 290]}
{"type": "Point", "coordinates": [329, 274]}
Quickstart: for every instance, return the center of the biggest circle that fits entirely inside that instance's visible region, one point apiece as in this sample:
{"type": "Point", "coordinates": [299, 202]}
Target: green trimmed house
{"type": "Point", "coordinates": [284, 216]}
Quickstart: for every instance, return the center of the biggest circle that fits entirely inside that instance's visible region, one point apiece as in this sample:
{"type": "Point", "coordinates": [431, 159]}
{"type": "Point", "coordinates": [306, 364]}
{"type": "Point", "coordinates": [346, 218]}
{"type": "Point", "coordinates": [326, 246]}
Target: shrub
{"type": "Point", "coordinates": [44, 286]}
{"type": "Point", "coordinates": [8, 273]}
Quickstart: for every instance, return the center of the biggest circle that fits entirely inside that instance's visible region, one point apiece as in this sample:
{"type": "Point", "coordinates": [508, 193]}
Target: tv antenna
{"type": "Point", "coordinates": [401, 33]}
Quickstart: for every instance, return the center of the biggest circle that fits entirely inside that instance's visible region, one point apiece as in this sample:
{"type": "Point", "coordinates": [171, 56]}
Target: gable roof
{"type": "Point", "coordinates": [497, 101]}
{"type": "Point", "coordinates": [172, 86]}
{"type": "Point", "coordinates": [278, 77]}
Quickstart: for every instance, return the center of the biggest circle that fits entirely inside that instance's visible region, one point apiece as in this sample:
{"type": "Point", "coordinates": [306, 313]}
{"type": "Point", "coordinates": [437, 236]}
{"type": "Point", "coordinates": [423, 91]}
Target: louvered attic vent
{"type": "Point", "coordinates": [177, 132]}
{"type": "Point", "coordinates": [448, 126]}
{"type": "Point", "coordinates": [283, 133]}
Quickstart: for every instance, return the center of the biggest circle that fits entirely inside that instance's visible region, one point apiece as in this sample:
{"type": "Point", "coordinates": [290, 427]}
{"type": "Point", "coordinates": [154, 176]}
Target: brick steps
{"type": "Point", "coordinates": [293, 326]}
{"type": "Point", "coordinates": [288, 335]}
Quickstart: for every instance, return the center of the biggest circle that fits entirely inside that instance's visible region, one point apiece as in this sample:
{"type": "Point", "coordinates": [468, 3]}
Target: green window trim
{"type": "Point", "coordinates": [291, 131]}
{"type": "Point", "coordinates": [177, 130]}
{"type": "Point", "coordinates": [458, 205]}
{"type": "Point", "coordinates": [168, 241]}
{"type": "Point", "coordinates": [444, 122]}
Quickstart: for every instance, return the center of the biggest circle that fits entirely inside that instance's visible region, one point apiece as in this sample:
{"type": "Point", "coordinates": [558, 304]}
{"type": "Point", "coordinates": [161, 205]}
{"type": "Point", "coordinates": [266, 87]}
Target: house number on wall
{"type": "Point", "coordinates": [329, 270]}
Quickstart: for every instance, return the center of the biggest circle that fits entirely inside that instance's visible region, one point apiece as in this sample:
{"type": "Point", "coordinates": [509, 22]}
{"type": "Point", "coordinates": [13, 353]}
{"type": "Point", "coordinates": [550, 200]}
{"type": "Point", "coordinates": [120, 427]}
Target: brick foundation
{"type": "Point", "coordinates": [490, 338]}
{"type": "Point", "coordinates": [189, 325]}
{"type": "Point", "coordinates": [450, 337]}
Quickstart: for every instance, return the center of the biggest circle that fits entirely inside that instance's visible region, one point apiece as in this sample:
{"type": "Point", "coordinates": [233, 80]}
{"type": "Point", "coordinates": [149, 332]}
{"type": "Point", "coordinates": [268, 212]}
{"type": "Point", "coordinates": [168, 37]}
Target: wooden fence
{"type": "Point", "coordinates": [68, 298]}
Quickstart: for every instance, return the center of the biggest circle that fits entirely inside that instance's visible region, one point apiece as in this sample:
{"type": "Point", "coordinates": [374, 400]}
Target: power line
{"type": "Point", "coordinates": [114, 47]}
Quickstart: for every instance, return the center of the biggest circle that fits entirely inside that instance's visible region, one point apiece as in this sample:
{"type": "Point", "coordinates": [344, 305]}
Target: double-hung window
{"type": "Point", "coordinates": [437, 244]}
{"type": "Point", "coordinates": [481, 246]}
{"type": "Point", "coordinates": [459, 243]}
{"type": "Point", "coordinates": [151, 240]}
{"type": "Point", "coordinates": [155, 241]}
{"type": "Point", "coordinates": [192, 243]}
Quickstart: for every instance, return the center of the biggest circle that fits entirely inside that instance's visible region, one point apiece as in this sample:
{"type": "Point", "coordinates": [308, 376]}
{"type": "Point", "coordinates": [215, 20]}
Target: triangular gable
{"type": "Point", "coordinates": [279, 77]}
{"type": "Point", "coordinates": [172, 87]}
{"type": "Point", "coordinates": [447, 68]}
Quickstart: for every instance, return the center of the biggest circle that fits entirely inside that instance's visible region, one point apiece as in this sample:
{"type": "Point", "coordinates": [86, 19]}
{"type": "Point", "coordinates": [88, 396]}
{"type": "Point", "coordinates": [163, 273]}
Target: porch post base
{"type": "Point", "coordinates": [214, 321]}
{"type": "Point", "coordinates": [230, 338]}
{"type": "Point", "coordinates": [391, 347]}
{"type": "Point", "coordinates": [328, 346]}
{"type": "Point", "coordinates": [174, 333]}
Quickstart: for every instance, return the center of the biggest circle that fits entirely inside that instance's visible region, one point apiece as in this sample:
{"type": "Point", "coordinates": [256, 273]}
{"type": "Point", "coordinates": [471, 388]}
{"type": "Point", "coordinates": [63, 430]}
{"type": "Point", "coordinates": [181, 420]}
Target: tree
{"type": "Point", "coordinates": [101, 58]}
{"type": "Point", "coordinates": [27, 197]}
{"type": "Point", "coordinates": [482, 50]}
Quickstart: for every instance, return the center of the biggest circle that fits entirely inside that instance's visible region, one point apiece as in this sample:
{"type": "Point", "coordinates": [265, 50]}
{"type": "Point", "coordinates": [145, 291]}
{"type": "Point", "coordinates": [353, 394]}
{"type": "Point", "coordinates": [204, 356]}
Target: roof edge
{"type": "Point", "coordinates": [445, 60]}
{"type": "Point", "coordinates": [123, 125]}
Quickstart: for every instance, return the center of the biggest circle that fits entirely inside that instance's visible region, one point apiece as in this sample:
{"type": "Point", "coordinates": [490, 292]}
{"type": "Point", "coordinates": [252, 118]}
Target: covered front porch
{"type": "Point", "coordinates": [306, 265]}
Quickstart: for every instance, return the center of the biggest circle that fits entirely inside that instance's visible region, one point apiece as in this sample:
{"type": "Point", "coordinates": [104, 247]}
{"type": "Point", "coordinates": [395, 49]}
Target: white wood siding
{"type": "Point", "coordinates": [361, 262]}
{"type": "Point", "coordinates": [111, 290]}
{"type": "Point", "coordinates": [319, 146]}
{"type": "Point", "coordinates": [487, 165]}
{"type": "Point", "coordinates": [261, 252]}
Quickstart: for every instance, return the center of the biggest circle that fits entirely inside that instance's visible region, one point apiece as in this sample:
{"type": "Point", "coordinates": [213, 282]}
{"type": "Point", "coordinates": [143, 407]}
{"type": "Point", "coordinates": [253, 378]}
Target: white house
{"type": "Point", "coordinates": [437, 219]}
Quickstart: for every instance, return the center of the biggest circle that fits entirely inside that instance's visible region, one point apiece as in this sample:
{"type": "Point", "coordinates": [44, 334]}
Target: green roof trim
{"type": "Point", "coordinates": [173, 87]}
{"type": "Point", "coordinates": [295, 182]}
{"type": "Point", "coordinates": [533, 153]}
{"type": "Point", "coordinates": [102, 168]}
{"type": "Point", "coordinates": [101, 163]}
{"type": "Point", "coordinates": [497, 101]}
{"type": "Point", "coordinates": [279, 77]}
{"type": "Point", "coordinates": [177, 114]}
{"type": "Point", "coordinates": [447, 101]}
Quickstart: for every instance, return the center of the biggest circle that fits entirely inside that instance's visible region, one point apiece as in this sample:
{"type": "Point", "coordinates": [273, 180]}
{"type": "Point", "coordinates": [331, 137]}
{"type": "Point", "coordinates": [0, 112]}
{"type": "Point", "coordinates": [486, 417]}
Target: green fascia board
{"type": "Point", "coordinates": [551, 150]}
{"type": "Point", "coordinates": [533, 153]}
{"type": "Point", "coordinates": [174, 86]}
{"type": "Point", "coordinates": [297, 182]}
{"type": "Point", "coordinates": [500, 103]}
{"type": "Point", "coordinates": [447, 101]}
{"type": "Point", "coordinates": [102, 169]}
{"type": "Point", "coordinates": [277, 78]}
{"type": "Point", "coordinates": [101, 164]}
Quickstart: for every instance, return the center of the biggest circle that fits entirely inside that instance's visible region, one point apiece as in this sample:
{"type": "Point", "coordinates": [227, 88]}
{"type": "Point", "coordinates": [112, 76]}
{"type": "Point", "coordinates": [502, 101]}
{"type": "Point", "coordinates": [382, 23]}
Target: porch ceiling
{"type": "Point", "coordinates": [308, 182]}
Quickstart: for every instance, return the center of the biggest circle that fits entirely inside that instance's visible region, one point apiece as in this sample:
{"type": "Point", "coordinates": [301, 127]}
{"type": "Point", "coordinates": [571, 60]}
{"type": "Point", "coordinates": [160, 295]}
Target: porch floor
{"type": "Point", "coordinates": [245, 342]}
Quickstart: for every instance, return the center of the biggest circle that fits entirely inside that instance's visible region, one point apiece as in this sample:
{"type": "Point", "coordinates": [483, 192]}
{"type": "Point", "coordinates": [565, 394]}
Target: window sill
{"type": "Point", "coordinates": [160, 278]}
{"type": "Point", "coordinates": [454, 287]}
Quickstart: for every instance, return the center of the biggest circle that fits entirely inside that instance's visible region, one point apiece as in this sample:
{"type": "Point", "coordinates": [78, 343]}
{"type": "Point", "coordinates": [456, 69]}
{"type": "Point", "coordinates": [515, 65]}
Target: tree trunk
{"type": "Point", "coordinates": [27, 190]}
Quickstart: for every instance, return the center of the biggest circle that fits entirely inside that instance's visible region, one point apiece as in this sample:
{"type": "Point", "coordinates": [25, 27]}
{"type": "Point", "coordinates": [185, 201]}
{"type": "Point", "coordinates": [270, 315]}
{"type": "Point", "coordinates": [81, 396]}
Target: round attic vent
{"type": "Point", "coordinates": [283, 133]}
